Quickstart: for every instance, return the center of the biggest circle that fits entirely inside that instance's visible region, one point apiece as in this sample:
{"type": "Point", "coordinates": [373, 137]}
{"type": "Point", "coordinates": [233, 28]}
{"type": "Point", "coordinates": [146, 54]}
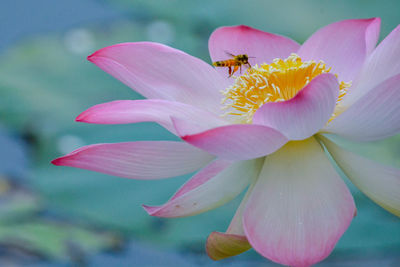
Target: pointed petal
{"type": "Point", "coordinates": [236, 225]}
{"type": "Point", "coordinates": [207, 189]}
{"type": "Point", "coordinates": [233, 142]}
{"type": "Point", "coordinates": [343, 45]}
{"type": "Point", "coordinates": [161, 72]}
{"type": "Point", "coordinates": [379, 182]}
{"type": "Point", "coordinates": [374, 116]}
{"type": "Point", "coordinates": [160, 111]}
{"type": "Point", "coordinates": [383, 63]}
{"type": "Point", "coordinates": [306, 113]}
{"type": "Point", "coordinates": [299, 207]}
{"type": "Point", "coordinates": [210, 171]}
{"type": "Point", "coordinates": [220, 246]}
{"type": "Point", "coordinates": [237, 40]}
{"type": "Point", "coordinates": [138, 160]}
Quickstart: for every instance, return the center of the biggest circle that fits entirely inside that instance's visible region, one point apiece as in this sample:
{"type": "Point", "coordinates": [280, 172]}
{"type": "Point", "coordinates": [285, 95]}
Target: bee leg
{"type": "Point", "coordinates": [234, 70]}
{"type": "Point", "coordinates": [240, 67]}
{"type": "Point", "coordinates": [249, 65]}
{"type": "Point", "coordinates": [230, 71]}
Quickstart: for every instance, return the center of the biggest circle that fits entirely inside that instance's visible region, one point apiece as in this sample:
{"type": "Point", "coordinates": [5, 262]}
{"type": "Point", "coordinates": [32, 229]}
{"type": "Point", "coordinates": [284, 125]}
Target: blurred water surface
{"type": "Point", "coordinates": [55, 215]}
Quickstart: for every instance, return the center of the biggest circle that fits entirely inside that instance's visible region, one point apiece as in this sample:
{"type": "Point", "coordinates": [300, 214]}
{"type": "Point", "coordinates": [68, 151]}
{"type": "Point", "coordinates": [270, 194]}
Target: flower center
{"type": "Point", "coordinates": [279, 81]}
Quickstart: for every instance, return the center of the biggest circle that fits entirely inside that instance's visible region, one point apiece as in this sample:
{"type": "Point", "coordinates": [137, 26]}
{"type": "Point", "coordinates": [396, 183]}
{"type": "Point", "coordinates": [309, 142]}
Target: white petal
{"type": "Point", "coordinates": [157, 110]}
{"type": "Point", "coordinates": [161, 72]}
{"type": "Point", "coordinates": [343, 45]}
{"type": "Point", "coordinates": [211, 192]}
{"type": "Point", "coordinates": [381, 183]}
{"type": "Point", "coordinates": [234, 241]}
{"type": "Point", "coordinates": [383, 63]}
{"type": "Point", "coordinates": [232, 142]}
{"type": "Point", "coordinates": [374, 116]}
{"type": "Point", "coordinates": [306, 113]}
{"type": "Point", "coordinates": [299, 207]}
{"type": "Point", "coordinates": [138, 160]}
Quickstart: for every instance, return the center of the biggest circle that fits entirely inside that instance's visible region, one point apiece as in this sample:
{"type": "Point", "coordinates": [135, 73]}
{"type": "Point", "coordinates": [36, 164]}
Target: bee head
{"type": "Point", "coordinates": [244, 58]}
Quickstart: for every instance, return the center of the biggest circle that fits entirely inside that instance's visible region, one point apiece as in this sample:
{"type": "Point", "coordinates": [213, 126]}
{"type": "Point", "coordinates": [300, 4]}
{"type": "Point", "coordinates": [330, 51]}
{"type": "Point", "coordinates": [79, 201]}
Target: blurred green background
{"type": "Point", "coordinates": [58, 216]}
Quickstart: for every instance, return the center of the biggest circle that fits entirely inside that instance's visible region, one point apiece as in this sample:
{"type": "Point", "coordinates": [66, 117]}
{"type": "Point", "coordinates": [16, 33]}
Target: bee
{"type": "Point", "coordinates": [236, 62]}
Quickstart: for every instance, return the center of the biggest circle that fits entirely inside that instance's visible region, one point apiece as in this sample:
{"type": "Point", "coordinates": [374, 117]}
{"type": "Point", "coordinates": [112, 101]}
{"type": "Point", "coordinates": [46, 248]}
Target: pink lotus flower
{"type": "Point", "coordinates": [265, 132]}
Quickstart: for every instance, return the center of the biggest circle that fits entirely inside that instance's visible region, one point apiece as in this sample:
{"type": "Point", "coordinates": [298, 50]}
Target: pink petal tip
{"type": "Point", "coordinates": [57, 161]}
{"type": "Point", "coordinates": [151, 210]}
{"type": "Point", "coordinates": [81, 117]}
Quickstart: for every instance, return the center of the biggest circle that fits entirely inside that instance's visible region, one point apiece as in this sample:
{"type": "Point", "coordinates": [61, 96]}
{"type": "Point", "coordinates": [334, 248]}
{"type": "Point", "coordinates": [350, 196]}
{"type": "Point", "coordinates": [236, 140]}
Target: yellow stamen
{"type": "Point", "coordinates": [279, 81]}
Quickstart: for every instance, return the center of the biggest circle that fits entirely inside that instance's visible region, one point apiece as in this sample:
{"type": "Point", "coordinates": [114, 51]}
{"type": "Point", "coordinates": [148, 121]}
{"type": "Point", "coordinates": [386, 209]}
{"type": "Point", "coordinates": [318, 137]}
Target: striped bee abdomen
{"type": "Point", "coordinates": [225, 63]}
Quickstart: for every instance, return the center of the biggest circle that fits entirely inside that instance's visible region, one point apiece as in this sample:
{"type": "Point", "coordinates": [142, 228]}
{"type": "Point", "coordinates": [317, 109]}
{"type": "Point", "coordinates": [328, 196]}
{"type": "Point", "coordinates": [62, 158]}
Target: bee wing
{"type": "Point", "coordinates": [229, 54]}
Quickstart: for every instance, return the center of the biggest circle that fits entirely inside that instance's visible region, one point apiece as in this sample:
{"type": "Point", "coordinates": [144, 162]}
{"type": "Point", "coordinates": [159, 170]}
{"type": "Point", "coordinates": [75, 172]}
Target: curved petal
{"type": "Point", "coordinates": [212, 187]}
{"type": "Point", "coordinates": [237, 40]}
{"type": "Point", "coordinates": [343, 45]}
{"type": "Point", "coordinates": [383, 63]}
{"type": "Point", "coordinates": [223, 245]}
{"type": "Point", "coordinates": [379, 182]}
{"type": "Point", "coordinates": [138, 160]}
{"type": "Point", "coordinates": [299, 207]}
{"type": "Point", "coordinates": [220, 246]}
{"type": "Point", "coordinates": [374, 116]}
{"type": "Point", "coordinates": [158, 71]}
{"type": "Point", "coordinates": [236, 225]}
{"type": "Point", "coordinates": [233, 142]}
{"type": "Point", "coordinates": [306, 113]}
{"type": "Point", "coordinates": [160, 111]}
{"type": "Point", "coordinates": [208, 172]}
